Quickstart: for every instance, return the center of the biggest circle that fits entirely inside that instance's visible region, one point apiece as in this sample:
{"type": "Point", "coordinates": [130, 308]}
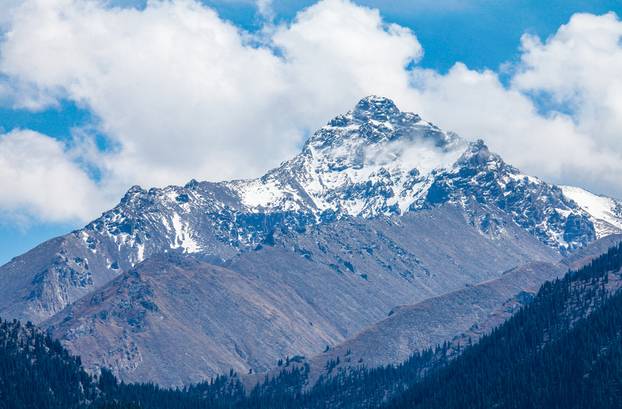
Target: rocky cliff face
{"type": "Point", "coordinates": [380, 208]}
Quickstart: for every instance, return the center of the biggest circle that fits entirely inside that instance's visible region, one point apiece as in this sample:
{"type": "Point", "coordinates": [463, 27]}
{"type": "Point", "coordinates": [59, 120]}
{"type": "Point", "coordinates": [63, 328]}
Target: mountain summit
{"type": "Point", "coordinates": [372, 161]}
{"type": "Point", "coordinates": [380, 208]}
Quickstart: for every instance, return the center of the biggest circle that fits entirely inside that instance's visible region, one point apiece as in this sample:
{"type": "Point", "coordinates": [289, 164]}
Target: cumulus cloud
{"type": "Point", "coordinates": [181, 93]}
{"type": "Point", "coordinates": [166, 83]}
{"type": "Point", "coordinates": [576, 73]}
{"type": "Point", "coordinates": [552, 146]}
{"type": "Point", "coordinates": [40, 180]}
{"type": "Point", "coordinates": [580, 67]}
{"type": "Point", "coordinates": [185, 94]}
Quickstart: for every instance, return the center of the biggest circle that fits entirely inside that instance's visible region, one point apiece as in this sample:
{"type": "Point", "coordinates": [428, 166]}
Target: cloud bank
{"type": "Point", "coordinates": [181, 93]}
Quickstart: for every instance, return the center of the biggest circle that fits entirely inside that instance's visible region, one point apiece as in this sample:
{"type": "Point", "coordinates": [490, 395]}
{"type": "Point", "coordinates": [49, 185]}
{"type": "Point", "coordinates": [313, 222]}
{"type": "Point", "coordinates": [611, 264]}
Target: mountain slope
{"type": "Point", "coordinates": [294, 296]}
{"type": "Point", "coordinates": [606, 212]}
{"type": "Point", "coordinates": [562, 351]}
{"type": "Point", "coordinates": [43, 281]}
{"type": "Point", "coordinates": [455, 317]}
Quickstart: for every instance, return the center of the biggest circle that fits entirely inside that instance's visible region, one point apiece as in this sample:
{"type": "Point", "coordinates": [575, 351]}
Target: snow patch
{"type": "Point", "coordinates": [183, 236]}
{"type": "Point", "coordinates": [140, 252]}
{"type": "Point", "coordinates": [607, 212]}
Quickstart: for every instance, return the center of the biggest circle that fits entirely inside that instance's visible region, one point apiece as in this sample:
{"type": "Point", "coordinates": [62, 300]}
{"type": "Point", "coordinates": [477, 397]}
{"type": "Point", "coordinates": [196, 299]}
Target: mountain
{"type": "Point", "coordinates": [380, 209]}
{"type": "Point", "coordinates": [305, 291]}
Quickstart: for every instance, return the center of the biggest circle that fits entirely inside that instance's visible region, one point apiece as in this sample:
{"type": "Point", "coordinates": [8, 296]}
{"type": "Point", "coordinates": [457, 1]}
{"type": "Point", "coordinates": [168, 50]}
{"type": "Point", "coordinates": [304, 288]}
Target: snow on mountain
{"type": "Point", "coordinates": [372, 162]}
{"type": "Point", "coordinates": [376, 160]}
{"type": "Point", "coordinates": [605, 211]}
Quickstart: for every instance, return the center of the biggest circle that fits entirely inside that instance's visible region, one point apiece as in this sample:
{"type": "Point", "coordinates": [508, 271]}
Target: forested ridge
{"type": "Point", "coordinates": [37, 372]}
{"type": "Point", "coordinates": [563, 350]}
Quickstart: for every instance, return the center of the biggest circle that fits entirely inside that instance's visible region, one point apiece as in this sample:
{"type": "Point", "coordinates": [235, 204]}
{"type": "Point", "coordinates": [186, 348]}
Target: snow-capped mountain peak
{"type": "Point", "coordinates": [373, 161]}
{"type": "Point", "coordinates": [370, 161]}
{"type": "Point", "coordinates": [376, 120]}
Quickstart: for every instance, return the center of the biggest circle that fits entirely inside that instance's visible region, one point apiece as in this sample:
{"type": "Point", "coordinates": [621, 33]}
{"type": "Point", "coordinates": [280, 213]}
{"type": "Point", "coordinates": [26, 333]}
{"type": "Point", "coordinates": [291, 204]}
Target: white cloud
{"type": "Point", "coordinates": [183, 94]}
{"type": "Point", "coordinates": [186, 95]}
{"type": "Point", "coordinates": [578, 68]}
{"type": "Point", "coordinates": [40, 180]}
{"type": "Point", "coordinates": [264, 7]}
{"type": "Point", "coordinates": [336, 52]}
{"type": "Point", "coordinates": [167, 83]}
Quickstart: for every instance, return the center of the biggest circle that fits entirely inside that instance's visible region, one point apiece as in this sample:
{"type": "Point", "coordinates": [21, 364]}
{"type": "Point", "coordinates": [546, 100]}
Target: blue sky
{"type": "Point", "coordinates": [482, 34]}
